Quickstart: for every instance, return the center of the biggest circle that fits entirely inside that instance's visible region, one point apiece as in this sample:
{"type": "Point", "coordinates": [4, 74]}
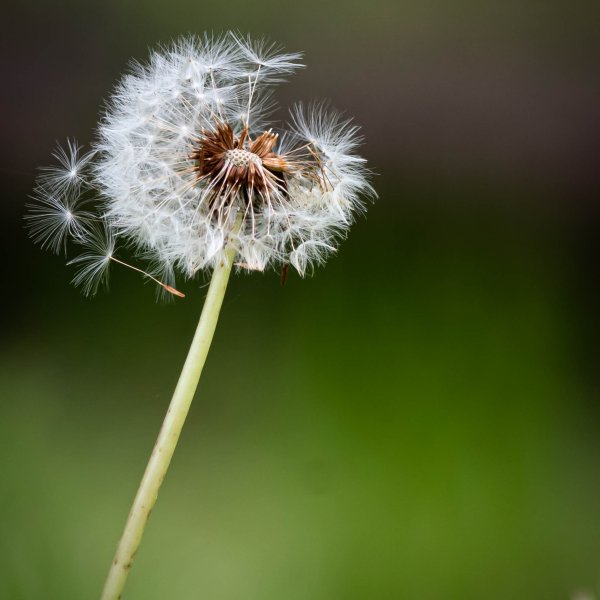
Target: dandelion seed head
{"type": "Point", "coordinates": [185, 161]}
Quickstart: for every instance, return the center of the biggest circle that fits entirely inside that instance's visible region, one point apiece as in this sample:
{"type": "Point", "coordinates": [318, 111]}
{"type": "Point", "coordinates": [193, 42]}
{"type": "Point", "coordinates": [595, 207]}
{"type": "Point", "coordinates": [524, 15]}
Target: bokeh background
{"type": "Point", "coordinates": [420, 419]}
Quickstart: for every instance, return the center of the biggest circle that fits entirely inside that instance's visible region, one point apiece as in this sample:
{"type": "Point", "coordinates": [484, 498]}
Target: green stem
{"type": "Point", "coordinates": [169, 433]}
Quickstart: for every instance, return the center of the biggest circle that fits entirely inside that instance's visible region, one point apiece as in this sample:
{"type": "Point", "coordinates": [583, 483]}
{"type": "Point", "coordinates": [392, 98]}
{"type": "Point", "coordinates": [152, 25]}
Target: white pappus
{"type": "Point", "coordinates": [185, 162]}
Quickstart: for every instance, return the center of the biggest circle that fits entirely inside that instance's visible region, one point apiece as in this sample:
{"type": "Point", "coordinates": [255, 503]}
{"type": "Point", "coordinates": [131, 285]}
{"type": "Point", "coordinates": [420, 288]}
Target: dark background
{"type": "Point", "coordinates": [420, 419]}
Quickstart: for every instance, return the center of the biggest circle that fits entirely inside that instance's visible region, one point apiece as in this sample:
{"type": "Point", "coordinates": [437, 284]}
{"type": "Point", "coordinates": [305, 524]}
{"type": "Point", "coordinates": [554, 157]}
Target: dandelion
{"type": "Point", "coordinates": [188, 175]}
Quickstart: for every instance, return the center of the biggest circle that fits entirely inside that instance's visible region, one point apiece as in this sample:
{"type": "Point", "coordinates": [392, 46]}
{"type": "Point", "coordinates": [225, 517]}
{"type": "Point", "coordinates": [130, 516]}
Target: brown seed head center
{"type": "Point", "coordinates": [241, 167]}
{"type": "Point", "coordinates": [242, 158]}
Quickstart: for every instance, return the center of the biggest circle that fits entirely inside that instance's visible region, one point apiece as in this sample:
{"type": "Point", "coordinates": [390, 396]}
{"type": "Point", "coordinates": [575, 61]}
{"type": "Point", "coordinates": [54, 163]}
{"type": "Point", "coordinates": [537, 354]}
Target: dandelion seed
{"type": "Point", "coordinates": [93, 264]}
{"type": "Point", "coordinates": [55, 218]}
{"type": "Point", "coordinates": [68, 175]}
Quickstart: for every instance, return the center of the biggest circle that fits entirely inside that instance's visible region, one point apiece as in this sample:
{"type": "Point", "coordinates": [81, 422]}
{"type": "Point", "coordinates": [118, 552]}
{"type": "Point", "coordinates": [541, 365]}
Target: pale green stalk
{"type": "Point", "coordinates": [169, 433]}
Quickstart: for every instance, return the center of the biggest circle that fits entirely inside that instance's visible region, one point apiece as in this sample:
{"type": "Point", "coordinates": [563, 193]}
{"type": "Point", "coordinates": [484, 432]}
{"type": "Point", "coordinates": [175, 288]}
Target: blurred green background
{"type": "Point", "coordinates": [420, 419]}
